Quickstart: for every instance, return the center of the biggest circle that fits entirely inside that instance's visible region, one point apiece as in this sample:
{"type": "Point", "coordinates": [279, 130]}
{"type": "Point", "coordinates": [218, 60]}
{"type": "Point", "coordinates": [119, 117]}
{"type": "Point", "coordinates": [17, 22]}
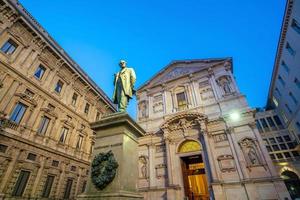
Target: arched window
{"type": "Point", "coordinates": [292, 183]}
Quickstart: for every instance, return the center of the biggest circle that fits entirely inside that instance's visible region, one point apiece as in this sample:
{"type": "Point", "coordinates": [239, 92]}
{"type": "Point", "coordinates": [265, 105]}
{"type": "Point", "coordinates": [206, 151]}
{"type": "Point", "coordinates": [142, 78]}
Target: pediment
{"type": "Point", "coordinates": [179, 69]}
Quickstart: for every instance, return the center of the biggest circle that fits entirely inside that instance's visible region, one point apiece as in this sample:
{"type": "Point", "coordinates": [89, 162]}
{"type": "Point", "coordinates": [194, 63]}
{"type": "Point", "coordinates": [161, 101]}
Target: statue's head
{"type": "Point", "coordinates": [122, 63]}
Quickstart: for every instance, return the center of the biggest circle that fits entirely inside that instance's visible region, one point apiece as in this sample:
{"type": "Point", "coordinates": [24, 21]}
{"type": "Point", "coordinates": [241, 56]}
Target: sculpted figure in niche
{"type": "Point", "coordinates": [226, 87]}
{"type": "Point", "coordinates": [143, 109]}
{"type": "Point", "coordinates": [143, 168]}
{"type": "Point", "coordinates": [253, 156]}
{"type": "Point", "coordinates": [250, 151]}
{"type": "Point", "coordinates": [224, 83]}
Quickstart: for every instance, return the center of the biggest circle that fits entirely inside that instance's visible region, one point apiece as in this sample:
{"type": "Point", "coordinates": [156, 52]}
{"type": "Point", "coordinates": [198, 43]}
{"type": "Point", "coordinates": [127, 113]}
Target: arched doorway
{"type": "Point", "coordinates": [193, 170]}
{"type": "Point", "coordinates": [292, 183]}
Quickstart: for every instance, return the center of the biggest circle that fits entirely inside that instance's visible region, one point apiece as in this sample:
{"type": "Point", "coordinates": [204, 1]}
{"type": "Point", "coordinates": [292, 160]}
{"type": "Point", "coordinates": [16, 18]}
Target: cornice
{"type": "Point", "coordinates": [208, 60]}
{"type": "Point", "coordinates": [282, 38]}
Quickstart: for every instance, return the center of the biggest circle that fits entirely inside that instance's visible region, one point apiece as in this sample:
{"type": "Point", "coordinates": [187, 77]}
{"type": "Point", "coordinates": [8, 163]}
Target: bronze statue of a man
{"type": "Point", "coordinates": [124, 86]}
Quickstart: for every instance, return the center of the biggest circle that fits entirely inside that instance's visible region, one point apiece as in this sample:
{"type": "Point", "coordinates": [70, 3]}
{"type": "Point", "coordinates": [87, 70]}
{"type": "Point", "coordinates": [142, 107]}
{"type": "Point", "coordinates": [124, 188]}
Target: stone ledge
{"type": "Point", "coordinates": [112, 196]}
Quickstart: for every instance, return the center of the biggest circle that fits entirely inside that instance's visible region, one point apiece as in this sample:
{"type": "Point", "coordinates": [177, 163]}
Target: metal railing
{"type": "Point", "coordinates": [6, 123]}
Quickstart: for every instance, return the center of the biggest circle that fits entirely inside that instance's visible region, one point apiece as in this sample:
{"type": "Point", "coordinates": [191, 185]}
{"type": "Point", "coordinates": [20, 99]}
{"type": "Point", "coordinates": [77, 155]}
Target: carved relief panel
{"type": "Point", "coordinates": [161, 170]}
{"type": "Point", "coordinates": [226, 163]}
{"type": "Point", "coordinates": [220, 137]}
{"type": "Point", "coordinates": [158, 103]}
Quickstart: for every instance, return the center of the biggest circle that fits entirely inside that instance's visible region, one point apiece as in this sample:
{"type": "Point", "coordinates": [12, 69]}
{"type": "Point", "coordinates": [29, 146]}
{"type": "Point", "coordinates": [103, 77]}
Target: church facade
{"type": "Point", "coordinates": [201, 141]}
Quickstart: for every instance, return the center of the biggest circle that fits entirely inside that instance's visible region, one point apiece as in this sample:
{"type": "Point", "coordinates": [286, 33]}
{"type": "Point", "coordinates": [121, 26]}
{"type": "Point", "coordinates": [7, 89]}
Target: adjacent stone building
{"type": "Point", "coordinates": [46, 105]}
{"type": "Point", "coordinates": [201, 141]}
{"type": "Point", "coordinates": [279, 122]}
{"type": "Point", "coordinates": [284, 91]}
{"type": "Point", "coordinates": [281, 145]}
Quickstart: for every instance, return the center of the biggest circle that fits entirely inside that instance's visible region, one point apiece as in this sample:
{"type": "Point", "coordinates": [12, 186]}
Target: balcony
{"type": "Point", "coordinates": [6, 123]}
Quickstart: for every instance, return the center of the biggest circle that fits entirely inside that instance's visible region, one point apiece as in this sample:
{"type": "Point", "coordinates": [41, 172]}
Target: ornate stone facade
{"type": "Point", "coordinates": [194, 146]}
{"type": "Point", "coordinates": [46, 105]}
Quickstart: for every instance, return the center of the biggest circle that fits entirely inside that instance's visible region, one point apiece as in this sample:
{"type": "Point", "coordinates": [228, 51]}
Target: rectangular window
{"type": "Point", "coordinates": [74, 99]}
{"type": "Point", "coordinates": [269, 148]}
{"type": "Point", "coordinates": [43, 125]}
{"type": "Point", "coordinates": [287, 138]}
{"type": "Point", "coordinates": [277, 120]}
{"type": "Point", "coordinates": [279, 139]}
{"type": "Point", "coordinates": [68, 188]}
{"type": "Point", "coordinates": [48, 186]}
{"type": "Point", "coordinates": [278, 91]}
{"type": "Point", "coordinates": [293, 98]}
{"type": "Point", "coordinates": [97, 116]}
{"type": "Point", "coordinates": [298, 126]}
{"type": "Point", "coordinates": [21, 183]}
{"type": "Point", "coordinates": [58, 86]}
{"type": "Point", "coordinates": [275, 101]}
{"type": "Point", "coordinates": [73, 168]}
{"type": "Point", "coordinates": [258, 126]}
{"type": "Point", "coordinates": [281, 80]}
{"type": "Point", "coordinates": [272, 156]}
{"type": "Point", "coordinates": [290, 49]}
{"type": "Point", "coordinates": [9, 47]}
{"type": "Point", "coordinates": [264, 124]}
{"type": "Point", "coordinates": [285, 67]}
{"type": "Point", "coordinates": [55, 163]}
{"type": "Point", "coordinates": [288, 108]}
{"type": "Point", "coordinates": [271, 122]}
{"type": "Point", "coordinates": [297, 82]}
{"type": "Point", "coordinates": [83, 186]}
{"type": "Point", "coordinates": [275, 147]}
{"type": "Point", "coordinates": [272, 140]}
{"type": "Point", "coordinates": [63, 135]}
{"type": "Point", "coordinates": [79, 142]}
{"type": "Point", "coordinates": [18, 113]}
{"type": "Point", "coordinates": [279, 155]}
{"type": "Point", "coordinates": [31, 156]}
{"type": "Point", "coordinates": [291, 145]}
{"type": "Point", "coordinates": [86, 108]}
{"type": "Point", "coordinates": [295, 153]}
{"type": "Point", "coordinates": [283, 146]}
{"type": "Point", "coordinates": [39, 72]}
{"type": "Point", "coordinates": [296, 26]}
{"type": "Point", "coordinates": [287, 154]}
{"type": "Point", "coordinates": [181, 101]}
{"type": "Point", "coordinates": [3, 148]}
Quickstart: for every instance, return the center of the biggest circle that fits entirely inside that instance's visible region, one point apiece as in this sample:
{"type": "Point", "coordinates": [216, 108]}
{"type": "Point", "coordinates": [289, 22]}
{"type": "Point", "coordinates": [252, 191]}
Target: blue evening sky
{"type": "Point", "coordinates": [149, 34]}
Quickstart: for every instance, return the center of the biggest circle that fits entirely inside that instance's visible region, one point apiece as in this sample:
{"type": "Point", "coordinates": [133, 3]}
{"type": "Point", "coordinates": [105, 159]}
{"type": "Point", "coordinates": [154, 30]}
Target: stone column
{"type": "Point", "coordinates": [60, 181]}
{"type": "Point", "coordinates": [77, 189]}
{"type": "Point", "coordinates": [173, 102]}
{"type": "Point", "coordinates": [38, 176]}
{"type": "Point", "coordinates": [15, 153]}
{"type": "Point", "coordinates": [152, 177]}
{"type": "Point", "coordinates": [117, 133]}
{"type": "Point", "coordinates": [170, 175]}
{"type": "Point", "coordinates": [209, 157]}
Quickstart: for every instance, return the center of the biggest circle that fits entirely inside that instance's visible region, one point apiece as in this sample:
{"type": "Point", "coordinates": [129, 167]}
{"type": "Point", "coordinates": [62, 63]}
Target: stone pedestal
{"type": "Point", "coordinates": [117, 132]}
